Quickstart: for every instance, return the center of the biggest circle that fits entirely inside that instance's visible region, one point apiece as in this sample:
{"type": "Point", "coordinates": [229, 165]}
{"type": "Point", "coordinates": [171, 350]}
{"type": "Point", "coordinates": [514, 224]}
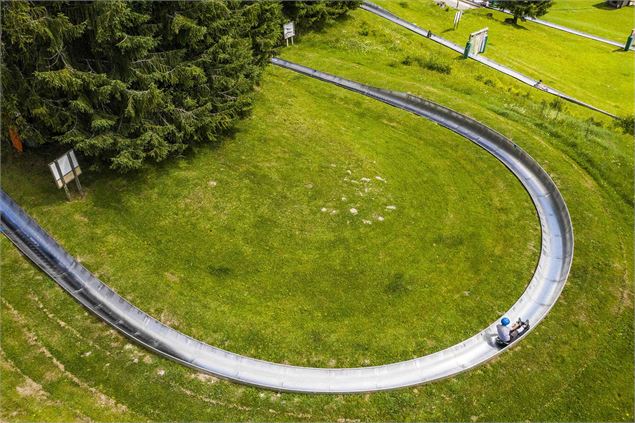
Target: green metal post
{"type": "Point", "coordinates": [484, 44]}
{"type": "Point", "coordinates": [468, 46]}
{"type": "Point", "coordinates": [629, 42]}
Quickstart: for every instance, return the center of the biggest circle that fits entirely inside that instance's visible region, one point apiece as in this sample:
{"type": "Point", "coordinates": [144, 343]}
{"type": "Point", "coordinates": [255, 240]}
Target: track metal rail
{"type": "Point", "coordinates": [381, 12]}
{"type": "Point", "coordinates": [534, 304]}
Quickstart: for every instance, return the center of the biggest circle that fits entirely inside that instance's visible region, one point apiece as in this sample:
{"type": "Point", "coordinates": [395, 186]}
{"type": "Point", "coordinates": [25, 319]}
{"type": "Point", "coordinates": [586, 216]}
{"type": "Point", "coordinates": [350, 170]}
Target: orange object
{"type": "Point", "coordinates": [15, 139]}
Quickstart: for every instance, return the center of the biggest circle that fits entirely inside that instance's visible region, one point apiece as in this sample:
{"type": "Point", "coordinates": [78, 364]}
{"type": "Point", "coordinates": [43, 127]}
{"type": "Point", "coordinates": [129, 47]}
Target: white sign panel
{"type": "Point", "coordinates": [457, 18]}
{"type": "Point", "coordinates": [62, 168]}
{"type": "Point", "coordinates": [478, 41]}
{"type": "Point", "coordinates": [289, 30]}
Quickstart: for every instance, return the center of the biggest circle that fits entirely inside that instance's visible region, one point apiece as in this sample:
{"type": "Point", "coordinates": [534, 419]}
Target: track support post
{"type": "Point", "coordinates": [468, 46]}
{"type": "Point", "coordinates": [484, 44]}
{"type": "Point", "coordinates": [629, 41]}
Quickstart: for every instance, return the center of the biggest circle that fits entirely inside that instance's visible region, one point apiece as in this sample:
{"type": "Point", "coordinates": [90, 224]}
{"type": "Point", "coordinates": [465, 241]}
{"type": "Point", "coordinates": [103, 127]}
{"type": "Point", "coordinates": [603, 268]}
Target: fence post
{"type": "Point", "coordinates": [484, 44]}
{"type": "Point", "coordinates": [468, 46]}
{"type": "Point", "coordinates": [629, 42]}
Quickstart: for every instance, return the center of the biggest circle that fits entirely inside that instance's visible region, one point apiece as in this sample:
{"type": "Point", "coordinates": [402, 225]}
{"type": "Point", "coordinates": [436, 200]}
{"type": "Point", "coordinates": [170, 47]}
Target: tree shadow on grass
{"type": "Point", "coordinates": [27, 175]}
{"type": "Point", "coordinates": [510, 22]}
{"type": "Point", "coordinates": [27, 178]}
{"type": "Point", "coordinates": [323, 27]}
{"type": "Point", "coordinates": [602, 5]}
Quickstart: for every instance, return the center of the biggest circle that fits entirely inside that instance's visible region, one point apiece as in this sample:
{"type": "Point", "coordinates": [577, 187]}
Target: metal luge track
{"type": "Point", "coordinates": [381, 12]}
{"type": "Point", "coordinates": [534, 304]}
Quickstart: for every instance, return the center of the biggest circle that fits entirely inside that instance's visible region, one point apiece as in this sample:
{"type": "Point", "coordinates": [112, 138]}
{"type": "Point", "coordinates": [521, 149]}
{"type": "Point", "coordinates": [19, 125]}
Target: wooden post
{"type": "Point", "coordinates": [59, 172]}
{"type": "Point", "coordinates": [75, 176]}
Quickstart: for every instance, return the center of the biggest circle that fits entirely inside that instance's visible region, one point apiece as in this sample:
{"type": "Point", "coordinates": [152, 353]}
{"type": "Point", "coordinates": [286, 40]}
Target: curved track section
{"type": "Point", "coordinates": [380, 11]}
{"type": "Point", "coordinates": [534, 304]}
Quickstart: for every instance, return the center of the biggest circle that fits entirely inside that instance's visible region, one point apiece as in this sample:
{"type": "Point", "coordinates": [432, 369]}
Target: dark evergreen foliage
{"type": "Point", "coordinates": [132, 82]}
{"type": "Point", "coordinates": [524, 8]}
{"type": "Point", "coordinates": [316, 14]}
{"type": "Point", "coordinates": [626, 124]}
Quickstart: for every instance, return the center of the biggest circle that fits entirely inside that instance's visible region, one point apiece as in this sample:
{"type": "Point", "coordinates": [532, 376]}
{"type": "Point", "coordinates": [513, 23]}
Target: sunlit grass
{"type": "Point", "coordinates": [230, 244]}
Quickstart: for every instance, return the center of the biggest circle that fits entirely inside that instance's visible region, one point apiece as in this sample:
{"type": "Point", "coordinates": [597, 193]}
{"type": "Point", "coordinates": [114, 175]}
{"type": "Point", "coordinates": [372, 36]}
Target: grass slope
{"type": "Point", "coordinates": [596, 73]}
{"type": "Point", "coordinates": [565, 370]}
{"type": "Point", "coordinates": [594, 17]}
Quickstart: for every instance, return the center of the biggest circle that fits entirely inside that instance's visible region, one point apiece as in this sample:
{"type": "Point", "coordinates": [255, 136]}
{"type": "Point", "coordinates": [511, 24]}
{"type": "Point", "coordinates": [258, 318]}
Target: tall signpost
{"type": "Point", "coordinates": [288, 32]}
{"type": "Point", "coordinates": [66, 169]}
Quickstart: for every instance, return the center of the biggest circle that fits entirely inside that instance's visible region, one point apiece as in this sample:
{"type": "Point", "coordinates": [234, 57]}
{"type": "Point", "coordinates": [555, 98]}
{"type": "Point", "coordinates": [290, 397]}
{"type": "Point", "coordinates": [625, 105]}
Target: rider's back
{"type": "Point", "coordinates": [503, 333]}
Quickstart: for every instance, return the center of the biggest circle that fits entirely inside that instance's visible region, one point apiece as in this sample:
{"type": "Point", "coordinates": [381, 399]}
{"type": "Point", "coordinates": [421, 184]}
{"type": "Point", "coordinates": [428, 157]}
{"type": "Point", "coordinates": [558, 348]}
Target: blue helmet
{"type": "Point", "coordinates": [505, 321]}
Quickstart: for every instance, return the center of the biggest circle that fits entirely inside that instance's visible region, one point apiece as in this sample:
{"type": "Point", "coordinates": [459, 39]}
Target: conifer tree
{"type": "Point", "coordinates": [524, 8]}
{"type": "Point", "coordinates": [315, 14]}
{"type": "Point", "coordinates": [134, 82]}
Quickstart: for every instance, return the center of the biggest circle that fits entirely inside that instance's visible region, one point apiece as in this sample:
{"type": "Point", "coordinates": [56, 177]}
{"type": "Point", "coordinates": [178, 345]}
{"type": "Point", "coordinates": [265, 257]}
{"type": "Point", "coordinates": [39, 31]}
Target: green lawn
{"type": "Point", "coordinates": [594, 17]}
{"type": "Point", "coordinates": [252, 246]}
{"type": "Point", "coordinates": [593, 72]}
{"type": "Point", "coordinates": [230, 244]}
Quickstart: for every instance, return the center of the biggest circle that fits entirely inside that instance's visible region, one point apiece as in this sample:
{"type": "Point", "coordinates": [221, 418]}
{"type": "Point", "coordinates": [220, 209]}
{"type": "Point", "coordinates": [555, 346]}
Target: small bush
{"type": "Point", "coordinates": [557, 105]}
{"type": "Point", "coordinates": [432, 63]}
{"type": "Point", "coordinates": [363, 31]}
{"type": "Point", "coordinates": [599, 123]}
{"type": "Point", "coordinates": [626, 124]}
{"type": "Point", "coordinates": [435, 64]}
{"type": "Point", "coordinates": [407, 61]}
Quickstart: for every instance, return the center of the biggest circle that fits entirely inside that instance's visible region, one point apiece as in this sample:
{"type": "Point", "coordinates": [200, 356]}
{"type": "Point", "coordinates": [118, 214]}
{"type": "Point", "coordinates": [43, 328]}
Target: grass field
{"type": "Point", "coordinates": [594, 17]}
{"type": "Point", "coordinates": [252, 246]}
{"type": "Point", "coordinates": [230, 244]}
{"type": "Point", "coordinates": [560, 60]}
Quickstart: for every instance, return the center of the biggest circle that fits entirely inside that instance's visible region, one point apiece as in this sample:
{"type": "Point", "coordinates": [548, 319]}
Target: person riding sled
{"type": "Point", "coordinates": [507, 333]}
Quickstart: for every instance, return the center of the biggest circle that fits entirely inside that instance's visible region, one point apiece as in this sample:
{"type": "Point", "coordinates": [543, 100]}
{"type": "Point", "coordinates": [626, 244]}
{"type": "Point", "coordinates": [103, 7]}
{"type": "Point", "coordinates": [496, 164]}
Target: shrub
{"type": "Point", "coordinates": [407, 61]}
{"type": "Point", "coordinates": [626, 124]}
{"type": "Point", "coordinates": [363, 30]}
{"type": "Point", "coordinates": [434, 63]}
